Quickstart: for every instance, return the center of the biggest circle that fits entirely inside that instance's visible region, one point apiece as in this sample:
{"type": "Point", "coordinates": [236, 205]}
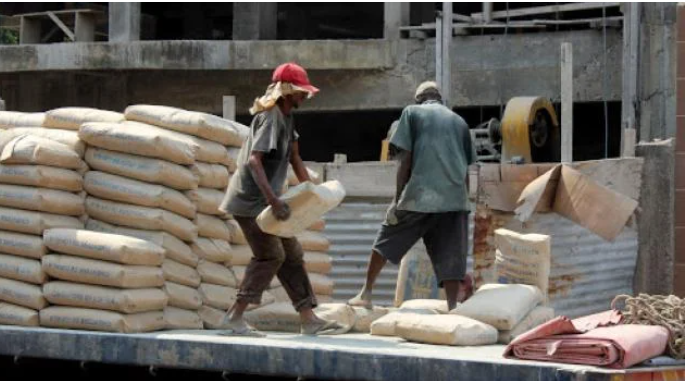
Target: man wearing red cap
{"type": "Point", "coordinates": [261, 175]}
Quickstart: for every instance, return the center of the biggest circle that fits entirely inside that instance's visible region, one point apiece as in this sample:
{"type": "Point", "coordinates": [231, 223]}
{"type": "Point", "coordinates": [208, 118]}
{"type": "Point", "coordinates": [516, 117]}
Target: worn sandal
{"type": "Point", "coordinates": [328, 327]}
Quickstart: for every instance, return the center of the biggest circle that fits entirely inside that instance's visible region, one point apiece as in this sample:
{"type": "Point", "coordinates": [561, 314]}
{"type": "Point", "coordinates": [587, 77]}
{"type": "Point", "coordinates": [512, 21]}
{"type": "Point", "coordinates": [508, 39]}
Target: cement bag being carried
{"type": "Point", "coordinates": [105, 298]}
{"type": "Point", "coordinates": [182, 296]}
{"type": "Point", "coordinates": [215, 273]}
{"type": "Point", "coordinates": [24, 221]}
{"type": "Point", "coordinates": [102, 273]}
{"type": "Point", "coordinates": [41, 176]}
{"type": "Point", "coordinates": [141, 217]}
{"type": "Point", "coordinates": [416, 278]}
{"type": "Point", "coordinates": [11, 119]}
{"type": "Point", "coordinates": [366, 316]}
{"type": "Point", "coordinates": [29, 149]}
{"type": "Point", "coordinates": [212, 250]}
{"type": "Point", "coordinates": [22, 294]}
{"type": "Point", "coordinates": [439, 306]}
{"type": "Point", "coordinates": [314, 177]}
{"type": "Point", "coordinates": [117, 188]}
{"type": "Point", "coordinates": [308, 203]}
{"type": "Point", "coordinates": [23, 245]}
{"type": "Point", "coordinates": [314, 241]}
{"type": "Point", "coordinates": [501, 305]}
{"type": "Point", "coordinates": [216, 296]}
{"type": "Point", "coordinates": [141, 140]}
{"type": "Point", "coordinates": [536, 317]}
{"type": "Point", "coordinates": [211, 175]}
{"type": "Point", "coordinates": [71, 118]}
{"type": "Point", "coordinates": [105, 321]}
{"type": "Point", "coordinates": [177, 318]}
{"type": "Point", "coordinates": [174, 248]}
{"type": "Point", "coordinates": [212, 317]}
{"type": "Point", "coordinates": [104, 246]}
{"type": "Point", "coordinates": [16, 315]}
{"type": "Point", "coordinates": [22, 269]}
{"type": "Point", "coordinates": [207, 200]}
{"type": "Point", "coordinates": [212, 227]}
{"type": "Point", "coordinates": [41, 200]}
{"type": "Point", "coordinates": [146, 169]}
{"type": "Point", "coordinates": [199, 124]}
{"type": "Point", "coordinates": [446, 330]}
{"type": "Point", "coordinates": [385, 326]}
{"type": "Point", "coordinates": [318, 226]}
{"type": "Point", "coordinates": [180, 273]}
{"type": "Point", "coordinates": [68, 138]}
{"type": "Point", "coordinates": [523, 259]}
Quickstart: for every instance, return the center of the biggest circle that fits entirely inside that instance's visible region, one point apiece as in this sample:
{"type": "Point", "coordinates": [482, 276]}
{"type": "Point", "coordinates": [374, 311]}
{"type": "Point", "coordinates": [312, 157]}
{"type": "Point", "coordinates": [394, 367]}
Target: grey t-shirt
{"type": "Point", "coordinates": [273, 133]}
{"type": "Point", "coordinates": [441, 148]}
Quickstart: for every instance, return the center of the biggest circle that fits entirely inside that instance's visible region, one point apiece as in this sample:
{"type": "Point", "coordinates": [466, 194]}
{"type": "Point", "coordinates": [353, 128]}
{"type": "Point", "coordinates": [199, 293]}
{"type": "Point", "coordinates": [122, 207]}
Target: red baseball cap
{"type": "Point", "coordinates": [295, 74]}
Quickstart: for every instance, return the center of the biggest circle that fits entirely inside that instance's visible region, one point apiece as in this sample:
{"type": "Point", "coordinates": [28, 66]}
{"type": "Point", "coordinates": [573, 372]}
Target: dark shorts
{"type": "Point", "coordinates": [444, 234]}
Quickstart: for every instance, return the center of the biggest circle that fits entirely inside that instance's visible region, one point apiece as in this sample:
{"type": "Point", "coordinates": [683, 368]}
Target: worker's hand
{"type": "Point", "coordinates": [280, 209]}
{"type": "Point", "coordinates": [391, 215]}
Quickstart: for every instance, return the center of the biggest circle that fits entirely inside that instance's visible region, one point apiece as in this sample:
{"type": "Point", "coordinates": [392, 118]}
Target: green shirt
{"type": "Point", "coordinates": [440, 144]}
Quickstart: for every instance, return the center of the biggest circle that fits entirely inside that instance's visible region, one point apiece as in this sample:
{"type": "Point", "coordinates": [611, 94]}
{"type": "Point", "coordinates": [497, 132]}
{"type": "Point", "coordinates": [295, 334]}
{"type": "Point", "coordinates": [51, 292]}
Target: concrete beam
{"type": "Point", "coordinates": [124, 22]}
{"type": "Point", "coordinates": [255, 21]}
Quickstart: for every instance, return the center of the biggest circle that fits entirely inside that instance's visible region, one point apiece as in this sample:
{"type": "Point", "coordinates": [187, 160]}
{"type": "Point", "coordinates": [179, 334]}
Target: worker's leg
{"type": "Point", "coordinates": [394, 240]}
{"type": "Point", "coordinates": [447, 246]}
{"type": "Point", "coordinates": [267, 257]}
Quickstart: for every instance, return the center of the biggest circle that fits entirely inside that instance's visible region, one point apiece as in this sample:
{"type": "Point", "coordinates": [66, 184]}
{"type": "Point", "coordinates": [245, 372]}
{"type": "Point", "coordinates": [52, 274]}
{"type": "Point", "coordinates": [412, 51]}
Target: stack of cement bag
{"type": "Point", "coordinates": [103, 282]}
{"type": "Point", "coordinates": [40, 182]}
{"type": "Point", "coordinates": [12, 119]}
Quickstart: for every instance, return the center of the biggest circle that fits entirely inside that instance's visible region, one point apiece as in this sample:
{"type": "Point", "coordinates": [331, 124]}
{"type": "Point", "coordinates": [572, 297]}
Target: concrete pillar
{"type": "Point", "coordinates": [124, 22]}
{"type": "Point", "coordinates": [29, 31]}
{"type": "Point", "coordinates": [84, 29]}
{"type": "Point", "coordinates": [229, 107]}
{"type": "Point", "coordinates": [255, 21]}
{"type": "Point", "coordinates": [395, 16]}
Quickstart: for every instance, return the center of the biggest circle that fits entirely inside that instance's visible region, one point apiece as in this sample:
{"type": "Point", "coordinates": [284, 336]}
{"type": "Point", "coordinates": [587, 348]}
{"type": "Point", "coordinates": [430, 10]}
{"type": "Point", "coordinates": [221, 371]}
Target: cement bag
{"type": "Point", "coordinates": [501, 305]}
{"type": "Point", "coordinates": [105, 298]}
{"type": "Point", "coordinates": [318, 263]}
{"type": "Point", "coordinates": [318, 226]}
{"type": "Point", "coordinates": [41, 176]}
{"type": "Point", "coordinates": [446, 330]}
{"type": "Point", "coordinates": [101, 273]}
{"type": "Point", "coordinates": [182, 296]}
{"type": "Point", "coordinates": [179, 273]}
{"type": "Point", "coordinates": [41, 200]}
{"type": "Point", "coordinates": [22, 294]}
{"type": "Point", "coordinates": [233, 155]}
{"type": "Point", "coordinates": [105, 321]}
{"type": "Point", "coordinates": [212, 250]}
{"type": "Point", "coordinates": [104, 246]}
{"type": "Point", "coordinates": [211, 175]}
{"type": "Point", "coordinates": [199, 124]}
{"type": "Point", "coordinates": [386, 325]}
{"type": "Point", "coordinates": [523, 259]}
{"type": "Point", "coordinates": [23, 245]}
{"type": "Point", "coordinates": [68, 138]}
{"type": "Point", "coordinates": [177, 318]}
{"type": "Point", "coordinates": [277, 317]}
{"type": "Point", "coordinates": [439, 306]}
{"type": "Point", "coordinates": [536, 317]}
{"type": "Point", "coordinates": [71, 118]}
{"type": "Point", "coordinates": [24, 221]}
{"type": "Point", "coordinates": [117, 188]}
{"type": "Point", "coordinates": [308, 203]}
{"type": "Point", "coordinates": [22, 269]}
{"type": "Point", "coordinates": [212, 227]}
{"type": "Point", "coordinates": [416, 279]}
{"type": "Point", "coordinates": [215, 273]}
{"type": "Point", "coordinates": [280, 295]}
{"type": "Point", "coordinates": [29, 149]}
{"type": "Point", "coordinates": [141, 140]}
{"type": "Point", "coordinates": [16, 315]}
{"type": "Point", "coordinates": [314, 177]}
{"type": "Point", "coordinates": [146, 169]}
{"type": "Point", "coordinates": [212, 318]}
{"type": "Point", "coordinates": [216, 296]}
{"type": "Point", "coordinates": [141, 217]}
{"type": "Point", "coordinates": [340, 312]}
{"type": "Point", "coordinates": [324, 298]}
{"type": "Point", "coordinates": [206, 200]}
{"type": "Point", "coordinates": [174, 248]}
{"type": "Point", "coordinates": [321, 284]}
{"type": "Point", "coordinates": [366, 316]}
{"type": "Point", "coordinates": [237, 236]}
{"type": "Point", "coordinates": [11, 119]}
{"type": "Point", "coordinates": [314, 241]}
{"type": "Point", "coordinates": [241, 255]}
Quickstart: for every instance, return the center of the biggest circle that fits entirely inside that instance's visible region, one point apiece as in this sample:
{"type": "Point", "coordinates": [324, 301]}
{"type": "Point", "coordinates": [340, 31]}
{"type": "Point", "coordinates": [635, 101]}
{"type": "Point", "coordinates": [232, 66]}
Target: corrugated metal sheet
{"type": "Point", "coordinates": [352, 228]}
{"type": "Point", "coordinates": [587, 271]}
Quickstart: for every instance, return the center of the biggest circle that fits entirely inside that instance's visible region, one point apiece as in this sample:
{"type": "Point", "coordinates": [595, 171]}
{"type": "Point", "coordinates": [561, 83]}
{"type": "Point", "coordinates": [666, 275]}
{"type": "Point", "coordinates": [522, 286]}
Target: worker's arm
{"type": "Point", "coordinates": [280, 209]}
{"type": "Point", "coordinates": [403, 172]}
{"type": "Point", "coordinates": [298, 166]}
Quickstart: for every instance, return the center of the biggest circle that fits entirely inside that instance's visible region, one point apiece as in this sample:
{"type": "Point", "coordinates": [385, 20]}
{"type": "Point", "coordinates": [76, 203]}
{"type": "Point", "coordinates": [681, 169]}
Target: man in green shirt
{"type": "Point", "coordinates": [435, 150]}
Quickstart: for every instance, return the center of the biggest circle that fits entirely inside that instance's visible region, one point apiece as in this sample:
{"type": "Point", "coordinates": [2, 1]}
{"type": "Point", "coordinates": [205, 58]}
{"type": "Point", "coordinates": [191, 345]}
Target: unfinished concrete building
{"type": "Point", "coordinates": [367, 59]}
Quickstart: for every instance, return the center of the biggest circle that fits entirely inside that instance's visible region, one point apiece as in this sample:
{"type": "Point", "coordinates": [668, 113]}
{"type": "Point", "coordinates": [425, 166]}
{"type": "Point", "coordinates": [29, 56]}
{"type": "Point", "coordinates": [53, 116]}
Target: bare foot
{"type": "Point", "coordinates": [363, 299]}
